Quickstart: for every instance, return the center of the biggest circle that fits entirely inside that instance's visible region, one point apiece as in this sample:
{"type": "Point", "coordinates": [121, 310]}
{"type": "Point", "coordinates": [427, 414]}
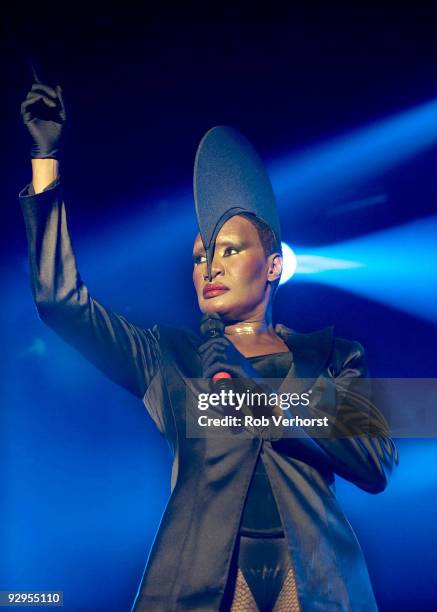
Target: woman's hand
{"type": "Point", "coordinates": [220, 355]}
{"type": "Point", "coordinates": [43, 114]}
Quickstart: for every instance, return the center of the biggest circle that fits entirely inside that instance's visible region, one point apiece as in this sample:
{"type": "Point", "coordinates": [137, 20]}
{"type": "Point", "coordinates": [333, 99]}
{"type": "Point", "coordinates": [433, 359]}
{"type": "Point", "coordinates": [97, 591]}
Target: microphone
{"type": "Point", "coordinates": [212, 326]}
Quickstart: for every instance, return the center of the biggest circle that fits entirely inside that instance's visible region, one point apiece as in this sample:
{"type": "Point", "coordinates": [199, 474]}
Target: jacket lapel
{"type": "Point", "coordinates": [310, 352]}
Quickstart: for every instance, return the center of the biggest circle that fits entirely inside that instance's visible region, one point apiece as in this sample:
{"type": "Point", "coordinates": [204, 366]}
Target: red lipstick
{"type": "Point", "coordinates": [210, 291]}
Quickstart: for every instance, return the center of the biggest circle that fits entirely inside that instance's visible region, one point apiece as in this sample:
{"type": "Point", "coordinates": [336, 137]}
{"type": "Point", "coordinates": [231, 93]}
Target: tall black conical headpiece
{"type": "Point", "coordinates": [230, 178]}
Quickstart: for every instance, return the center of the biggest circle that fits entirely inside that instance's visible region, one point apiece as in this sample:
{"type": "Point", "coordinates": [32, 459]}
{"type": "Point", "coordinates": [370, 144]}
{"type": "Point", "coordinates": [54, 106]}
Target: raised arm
{"type": "Point", "coordinates": [44, 173]}
{"type": "Point", "coordinates": [125, 353]}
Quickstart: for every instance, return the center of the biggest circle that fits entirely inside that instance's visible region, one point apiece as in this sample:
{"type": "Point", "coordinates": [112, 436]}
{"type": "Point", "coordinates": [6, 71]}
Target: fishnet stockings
{"type": "Point", "coordinates": [287, 600]}
{"type": "Point", "coordinates": [243, 600]}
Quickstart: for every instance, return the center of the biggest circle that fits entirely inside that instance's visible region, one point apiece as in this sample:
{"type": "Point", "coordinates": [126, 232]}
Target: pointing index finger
{"type": "Point", "coordinates": [34, 72]}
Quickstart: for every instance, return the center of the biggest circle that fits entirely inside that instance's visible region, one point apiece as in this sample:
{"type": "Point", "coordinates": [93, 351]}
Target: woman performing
{"type": "Point", "coordinates": [252, 522]}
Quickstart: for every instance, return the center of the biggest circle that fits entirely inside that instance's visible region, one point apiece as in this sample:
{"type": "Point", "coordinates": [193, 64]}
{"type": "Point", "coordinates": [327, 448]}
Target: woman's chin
{"type": "Point", "coordinates": [218, 306]}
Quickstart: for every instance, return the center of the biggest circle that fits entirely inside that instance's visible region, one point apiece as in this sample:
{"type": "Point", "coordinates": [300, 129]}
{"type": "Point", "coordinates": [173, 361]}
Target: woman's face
{"type": "Point", "coordinates": [240, 273]}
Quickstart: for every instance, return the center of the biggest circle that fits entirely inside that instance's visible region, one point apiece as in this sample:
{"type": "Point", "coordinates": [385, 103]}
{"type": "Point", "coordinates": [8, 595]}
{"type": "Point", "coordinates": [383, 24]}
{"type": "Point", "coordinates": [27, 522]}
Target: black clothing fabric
{"type": "Point", "coordinates": [274, 366]}
{"type": "Point", "coordinates": [189, 562]}
{"type": "Point", "coordinates": [260, 514]}
{"type": "Point", "coordinates": [265, 564]}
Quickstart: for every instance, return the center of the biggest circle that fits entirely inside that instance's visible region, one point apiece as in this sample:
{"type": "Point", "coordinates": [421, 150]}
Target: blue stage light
{"type": "Point", "coordinates": [357, 156]}
{"type": "Point", "coordinates": [315, 264]}
{"type": "Point", "coordinates": [289, 263]}
{"type": "Point", "coordinates": [395, 267]}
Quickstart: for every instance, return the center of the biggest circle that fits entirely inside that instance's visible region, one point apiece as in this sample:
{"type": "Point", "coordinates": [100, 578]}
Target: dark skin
{"type": "Point", "coordinates": [241, 266]}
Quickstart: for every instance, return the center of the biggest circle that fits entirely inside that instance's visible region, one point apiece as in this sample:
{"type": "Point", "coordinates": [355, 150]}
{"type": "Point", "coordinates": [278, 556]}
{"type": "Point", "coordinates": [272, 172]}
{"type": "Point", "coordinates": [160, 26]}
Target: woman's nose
{"type": "Point", "coordinates": [214, 272]}
{"type": "Point", "coordinates": [216, 269]}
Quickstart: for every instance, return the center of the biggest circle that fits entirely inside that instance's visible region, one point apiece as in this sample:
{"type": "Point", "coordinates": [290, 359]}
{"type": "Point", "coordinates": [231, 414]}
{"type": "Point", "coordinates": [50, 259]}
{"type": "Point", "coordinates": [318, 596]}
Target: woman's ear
{"type": "Point", "coordinates": [275, 266]}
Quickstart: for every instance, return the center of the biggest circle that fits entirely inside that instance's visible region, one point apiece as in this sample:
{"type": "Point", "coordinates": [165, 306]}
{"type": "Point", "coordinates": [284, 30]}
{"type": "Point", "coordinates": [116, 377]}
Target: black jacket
{"type": "Point", "coordinates": [188, 565]}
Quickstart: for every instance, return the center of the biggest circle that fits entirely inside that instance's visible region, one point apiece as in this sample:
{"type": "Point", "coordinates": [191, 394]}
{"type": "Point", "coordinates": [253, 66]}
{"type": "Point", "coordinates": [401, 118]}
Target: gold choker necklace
{"type": "Point", "coordinates": [242, 329]}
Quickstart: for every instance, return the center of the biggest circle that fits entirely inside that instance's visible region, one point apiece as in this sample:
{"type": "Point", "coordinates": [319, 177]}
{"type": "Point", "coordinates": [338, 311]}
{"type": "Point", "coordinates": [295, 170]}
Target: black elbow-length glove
{"type": "Point", "coordinates": [44, 116]}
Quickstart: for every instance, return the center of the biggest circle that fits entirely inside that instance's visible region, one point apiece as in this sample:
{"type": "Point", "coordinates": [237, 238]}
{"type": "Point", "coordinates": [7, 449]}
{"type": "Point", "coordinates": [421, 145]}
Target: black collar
{"type": "Point", "coordinates": [310, 352]}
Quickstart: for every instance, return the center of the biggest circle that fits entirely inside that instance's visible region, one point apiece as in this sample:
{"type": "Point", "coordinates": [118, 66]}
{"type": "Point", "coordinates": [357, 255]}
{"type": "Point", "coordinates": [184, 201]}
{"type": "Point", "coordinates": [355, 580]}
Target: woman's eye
{"type": "Point", "coordinates": [230, 251]}
{"type": "Point", "coordinates": [197, 259]}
